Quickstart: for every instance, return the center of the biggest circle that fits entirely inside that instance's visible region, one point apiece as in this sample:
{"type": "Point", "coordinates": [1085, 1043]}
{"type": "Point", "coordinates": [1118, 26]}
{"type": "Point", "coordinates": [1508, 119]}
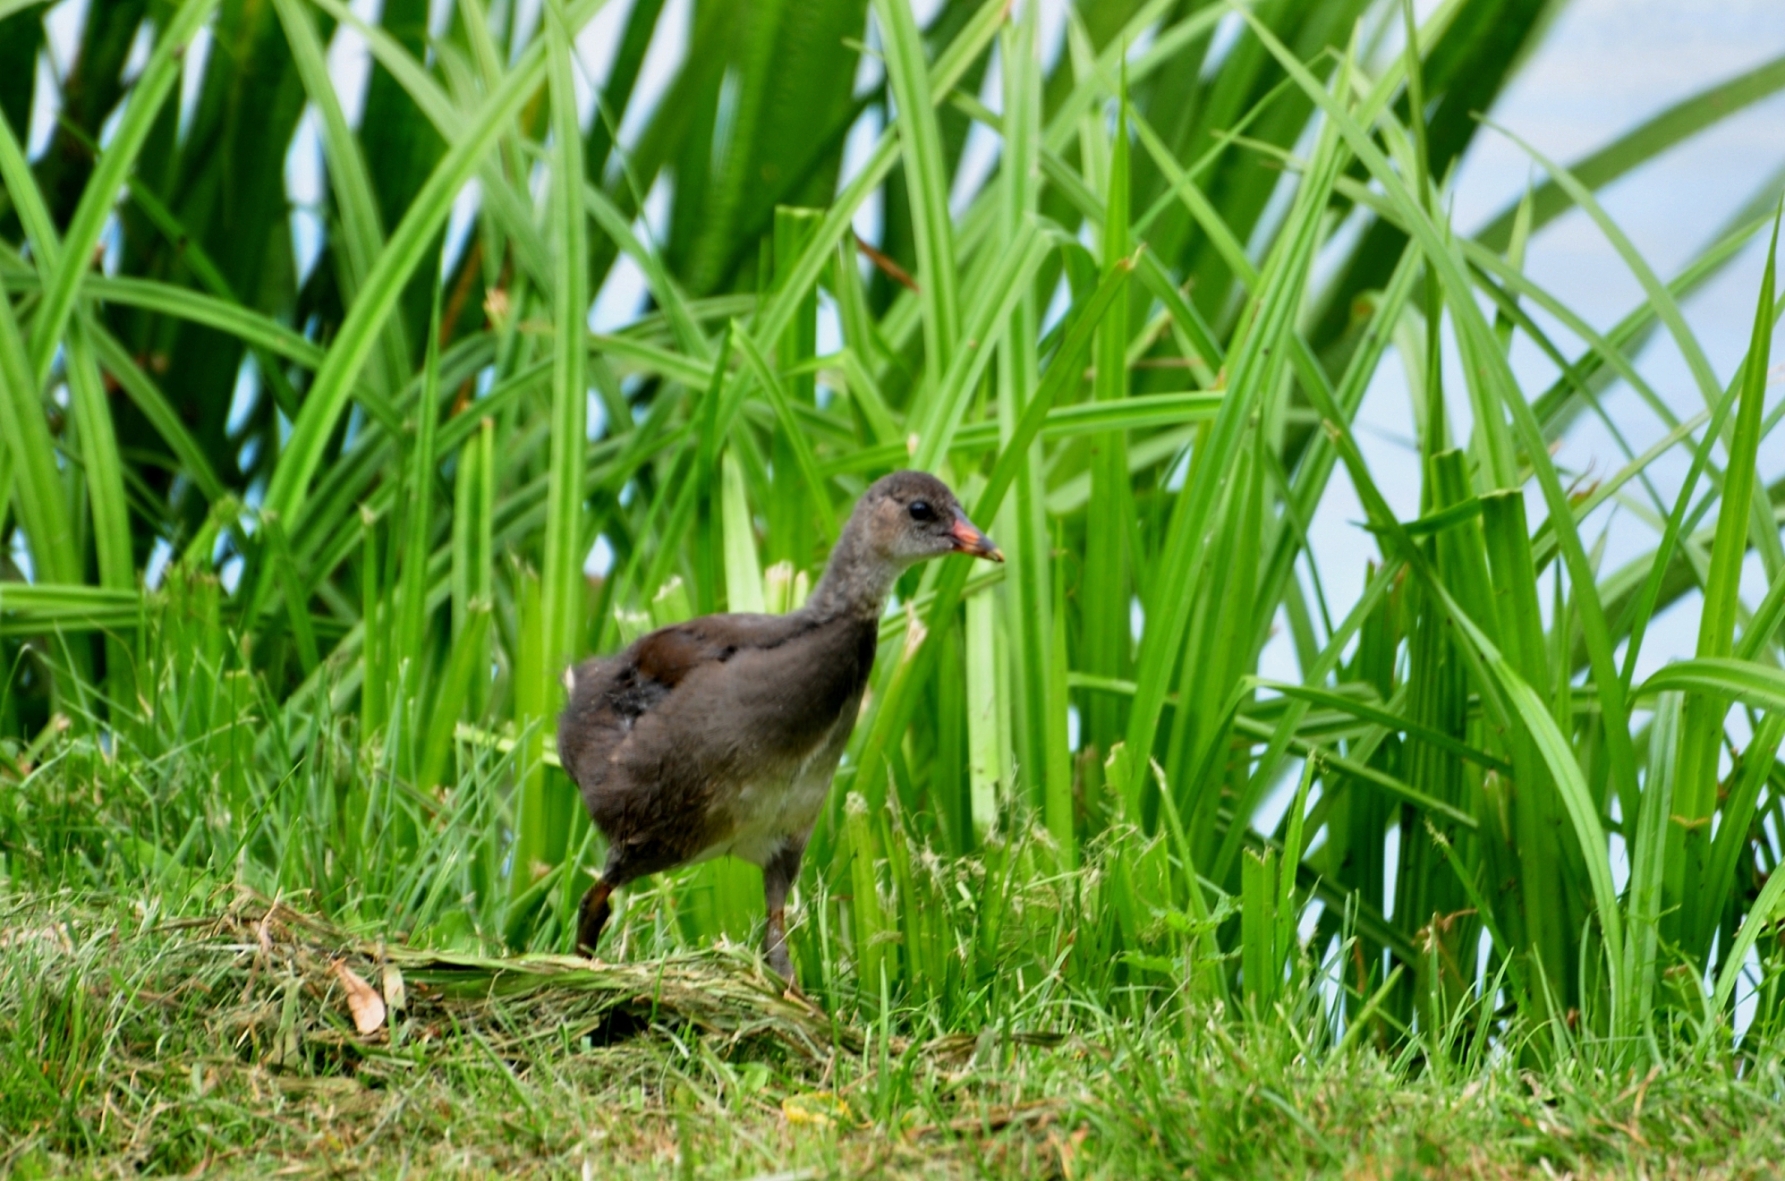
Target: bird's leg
{"type": "Point", "coordinates": [775, 944]}
{"type": "Point", "coordinates": [777, 878]}
{"type": "Point", "coordinates": [592, 915]}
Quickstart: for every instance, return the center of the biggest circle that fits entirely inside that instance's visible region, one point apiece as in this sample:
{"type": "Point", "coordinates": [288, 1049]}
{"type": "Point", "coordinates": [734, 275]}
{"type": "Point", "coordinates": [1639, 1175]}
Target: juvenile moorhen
{"type": "Point", "coordinates": [720, 735]}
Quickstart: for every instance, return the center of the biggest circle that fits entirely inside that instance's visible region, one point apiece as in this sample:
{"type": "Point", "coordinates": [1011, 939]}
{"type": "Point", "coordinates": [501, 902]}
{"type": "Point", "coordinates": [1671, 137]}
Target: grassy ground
{"type": "Point", "coordinates": [132, 1043]}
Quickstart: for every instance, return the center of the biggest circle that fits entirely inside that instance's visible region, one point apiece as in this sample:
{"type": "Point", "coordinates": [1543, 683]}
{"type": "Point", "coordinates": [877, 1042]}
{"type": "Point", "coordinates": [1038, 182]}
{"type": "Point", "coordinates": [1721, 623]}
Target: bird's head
{"type": "Point", "coordinates": [910, 516]}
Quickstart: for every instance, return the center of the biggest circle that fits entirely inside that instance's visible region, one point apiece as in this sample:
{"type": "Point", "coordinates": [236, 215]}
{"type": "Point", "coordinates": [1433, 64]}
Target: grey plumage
{"type": "Point", "coordinates": [720, 735]}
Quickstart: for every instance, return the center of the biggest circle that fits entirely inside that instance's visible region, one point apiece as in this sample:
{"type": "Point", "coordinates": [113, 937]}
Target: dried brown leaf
{"type": "Point", "coordinates": [396, 997]}
{"type": "Point", "coordinates": [363, 1000]}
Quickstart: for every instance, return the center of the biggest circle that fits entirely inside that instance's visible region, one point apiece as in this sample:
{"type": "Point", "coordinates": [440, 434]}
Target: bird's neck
{"type": "Point", "coordinates": [856, 581]}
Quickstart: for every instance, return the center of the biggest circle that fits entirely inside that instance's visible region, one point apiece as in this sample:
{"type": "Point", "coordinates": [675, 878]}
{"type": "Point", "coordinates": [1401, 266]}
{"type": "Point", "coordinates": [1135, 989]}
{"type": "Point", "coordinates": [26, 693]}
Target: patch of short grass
{"type": "Point", "coordinates": [132, 1043]}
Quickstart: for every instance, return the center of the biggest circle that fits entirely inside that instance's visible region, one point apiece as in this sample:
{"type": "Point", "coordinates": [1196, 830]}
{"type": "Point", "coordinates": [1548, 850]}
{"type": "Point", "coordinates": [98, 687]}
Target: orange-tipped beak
{"type": "Point", "coordinates": [969, 540]}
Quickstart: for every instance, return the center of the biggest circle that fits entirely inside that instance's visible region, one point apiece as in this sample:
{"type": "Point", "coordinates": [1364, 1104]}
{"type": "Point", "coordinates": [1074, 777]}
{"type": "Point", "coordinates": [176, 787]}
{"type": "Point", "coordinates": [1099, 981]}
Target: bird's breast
{"type": "Point", "coordinates": [768, 810]}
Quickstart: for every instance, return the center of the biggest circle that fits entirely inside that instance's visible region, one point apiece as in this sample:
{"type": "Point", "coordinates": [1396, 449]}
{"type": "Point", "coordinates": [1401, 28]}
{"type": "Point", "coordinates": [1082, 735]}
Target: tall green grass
{"type": "Point", "coordinates": [1120, 348]}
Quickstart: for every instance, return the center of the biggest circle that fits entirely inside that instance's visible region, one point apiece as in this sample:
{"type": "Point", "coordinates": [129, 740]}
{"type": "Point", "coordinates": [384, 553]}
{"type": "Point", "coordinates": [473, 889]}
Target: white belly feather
{"type": "Point", "coordinates": [773, 810]}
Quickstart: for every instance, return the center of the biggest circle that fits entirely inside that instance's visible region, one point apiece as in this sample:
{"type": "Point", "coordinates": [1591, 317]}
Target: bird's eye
{"type": "Point", "coordinates": [920, 510]}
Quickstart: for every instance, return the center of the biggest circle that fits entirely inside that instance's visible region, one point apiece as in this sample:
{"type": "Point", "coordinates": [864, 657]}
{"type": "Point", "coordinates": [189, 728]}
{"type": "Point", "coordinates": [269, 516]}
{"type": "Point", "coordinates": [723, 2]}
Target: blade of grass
{"type": "Point", "coordinates": [921, 149]}
{"type": "Point", "coordinates": [101, 467]}
{"type": "Point", "coordinates": [1756, 684]}
{"type": "Point", "coordinates": [1670, 315]}
{"type": "Point", "coordinates": [360, 236]}
{"type": "Point", "coordinates": [1655, 135]}
{"type": "Point", "coordinates": [288, 490]}
{"type": "Point", "coordinates": [791, 431]}
{"type": "Point", "coordinates": [74, 256]}
{"type": "Point", "coordinates": [992, 305]}
{"type": "Point", "coordinates": [561, 593]}
{"type": "Point", "coordinates": [409, 633]}
{"type": "Point", "coordinates": [1252, 367]}
{"type": "Point", "coordinates": [1106, 639]}
{"type": "Point", "coordinates": [1701, 736]}
{"type": "Point", "coordinates": [154, 406]}
{"type": "Point", "coordinates": [1763, 626]}
{"type": "Point", "coordinates": [42, 508]}
{"type": "Point", "coordinates": [1648, 857]}
{"type": "Point", "coordinates": [1512, 697]}
{"type": "Point", "coordinates": [1760, 916]}
{"type": "Point", "coordinates": [1475, 332]}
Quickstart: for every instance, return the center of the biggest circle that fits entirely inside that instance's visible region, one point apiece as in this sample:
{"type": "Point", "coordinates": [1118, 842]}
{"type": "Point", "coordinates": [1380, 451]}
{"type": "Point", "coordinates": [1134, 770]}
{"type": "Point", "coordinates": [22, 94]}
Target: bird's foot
{"type": "Point", "coordinates": [782, 967]}
{"type": "Point", "coordinates": [775, 950]}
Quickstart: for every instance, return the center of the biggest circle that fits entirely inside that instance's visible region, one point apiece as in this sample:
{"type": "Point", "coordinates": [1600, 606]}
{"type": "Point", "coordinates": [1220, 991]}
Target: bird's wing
{"type": "Point", "coordinates": [656, 735]}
